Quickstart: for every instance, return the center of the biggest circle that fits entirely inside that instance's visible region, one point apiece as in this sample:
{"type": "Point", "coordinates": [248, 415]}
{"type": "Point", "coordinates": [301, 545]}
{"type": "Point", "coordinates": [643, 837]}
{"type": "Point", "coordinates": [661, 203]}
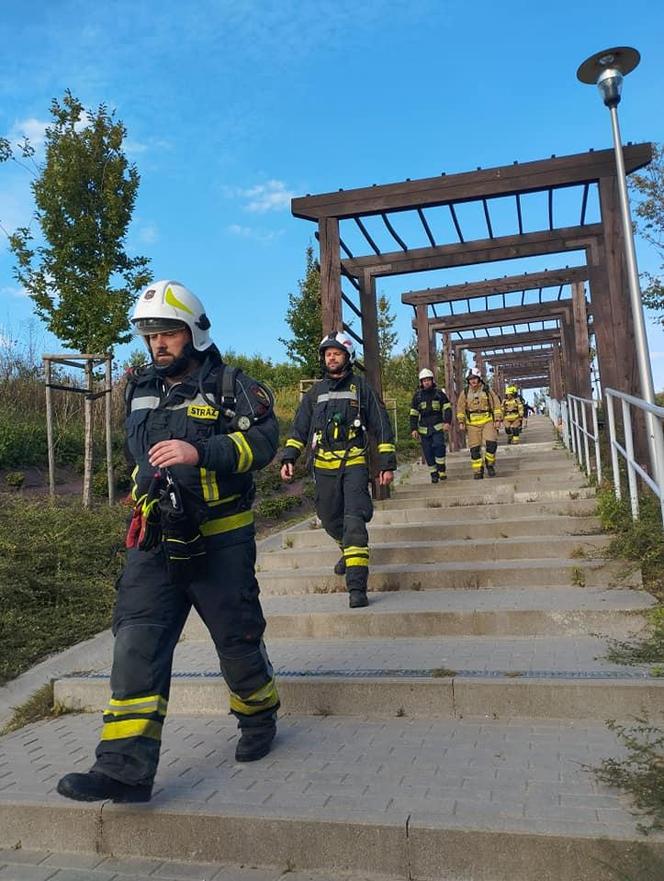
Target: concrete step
{"type": "Point", "coordinates": [448, 510]}
{"type": "Point", "coordinates": [445, 551]}
{"type": "Point", "coordinates": [434, 800]}
{"type": "Point", "coordinates": [562, 677]}
{"type": "Point", "coordinates": [474, 575]}
{"type": "Point", "coordinates": [470, 486]}
{"type": "Point", "coordinates": [560, 611]}
{"type": "Point", "coordinates": [546, 464]}
{"type": "Point", "coordinates": [481, 492]}
{"type": "Point", "coordinates": [516, 527]}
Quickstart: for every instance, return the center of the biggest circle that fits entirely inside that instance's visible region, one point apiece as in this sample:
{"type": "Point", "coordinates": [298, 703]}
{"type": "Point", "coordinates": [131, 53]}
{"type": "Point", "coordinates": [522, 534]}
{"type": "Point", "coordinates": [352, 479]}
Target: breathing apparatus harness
{"type": "Point", "coordinates": [336, 421]}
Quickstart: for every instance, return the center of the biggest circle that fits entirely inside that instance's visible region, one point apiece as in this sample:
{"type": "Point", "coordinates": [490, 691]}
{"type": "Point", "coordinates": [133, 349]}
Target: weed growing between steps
{"type": "Point", "coordinates": [39, 706]}
{"type": "Point", "coordinates": [641, 772]}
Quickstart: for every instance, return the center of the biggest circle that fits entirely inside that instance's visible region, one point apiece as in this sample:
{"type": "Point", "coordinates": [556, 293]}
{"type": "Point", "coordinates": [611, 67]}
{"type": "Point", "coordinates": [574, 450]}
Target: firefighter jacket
{"type": "Point", "coordinates": [478, 407]}
{"type": "Point", "coordinates": [232, 441]}
{"type": "Point", "coordinates": [430, 409]}
{"type": "Point", "coordinates": [334, 419]}
{"type": "Point", "coordinates": [512, 409]}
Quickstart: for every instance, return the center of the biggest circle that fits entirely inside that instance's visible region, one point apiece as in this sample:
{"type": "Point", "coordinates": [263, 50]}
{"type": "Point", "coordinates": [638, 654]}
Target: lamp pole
{"type": "Point", "coordinates": [606, 70]}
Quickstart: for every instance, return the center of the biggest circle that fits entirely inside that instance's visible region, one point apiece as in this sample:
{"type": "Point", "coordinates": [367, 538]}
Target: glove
{"type": "Point", "coordinates": [144, 530]}
{"type": "Point", "coordinates": [183, 542]}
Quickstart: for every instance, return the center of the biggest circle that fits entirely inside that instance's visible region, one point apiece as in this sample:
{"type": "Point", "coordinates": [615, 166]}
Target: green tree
{"type": "Point", "coordinates": [304, 318]}
{"type": "Point", "coordinates": [387, 337]}
{"type": "Point", "coordinates": [648, 187]}
{"type": "Point", "coordinates": [80, 277]}
{"type": "Point", "coordinates": [402, 368]}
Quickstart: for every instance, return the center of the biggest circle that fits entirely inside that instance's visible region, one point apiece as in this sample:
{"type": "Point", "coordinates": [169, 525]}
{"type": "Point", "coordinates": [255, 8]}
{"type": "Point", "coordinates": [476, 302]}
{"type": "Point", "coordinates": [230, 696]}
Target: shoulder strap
{"type": "Point", "coordinates": [226, 387]}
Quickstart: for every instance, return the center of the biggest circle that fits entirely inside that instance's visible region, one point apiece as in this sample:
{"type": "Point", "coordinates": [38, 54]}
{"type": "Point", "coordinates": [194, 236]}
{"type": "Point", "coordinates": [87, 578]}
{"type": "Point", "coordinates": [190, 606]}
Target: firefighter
{"type": "Point", "coordinates": [480, 415]}
{"type": "Point", "coordinates": [334, 421]}
{"type": "Point", "coordinates": [196, 430]}
{"type": "Point", "coordinates": [513, 414]}
{"type": "Point", "coordinates": [430, 418]}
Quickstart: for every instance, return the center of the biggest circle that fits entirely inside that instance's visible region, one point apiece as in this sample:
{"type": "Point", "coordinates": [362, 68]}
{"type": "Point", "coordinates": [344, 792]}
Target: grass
{"type": "Point", "coordinates": [648, 649]}
{"type": "Point", "coordinates": [58, 565]}
{"type": "Point", "coordinates": [578, 577]}
{"type": "Point", "coordinates": [38, 706]}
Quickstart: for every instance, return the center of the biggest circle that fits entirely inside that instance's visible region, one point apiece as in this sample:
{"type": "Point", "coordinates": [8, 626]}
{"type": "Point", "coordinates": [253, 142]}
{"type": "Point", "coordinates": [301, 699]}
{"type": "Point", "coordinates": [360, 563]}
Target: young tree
{"type": "Point", "coordinates": [79, 276]}
{"type": "Point", "coordinates": [305, 319]}
{"type": "Point", "coordinates": [648, 186]}
{"type": "Point", "coordinates": [387, 338]}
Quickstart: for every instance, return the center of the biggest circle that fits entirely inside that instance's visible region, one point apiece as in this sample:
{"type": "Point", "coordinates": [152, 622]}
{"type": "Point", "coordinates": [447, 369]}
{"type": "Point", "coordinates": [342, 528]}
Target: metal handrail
{"type": "Point", "coordinates": [581, 437]}
{"type": "Point", "coordinates": [655, 483]}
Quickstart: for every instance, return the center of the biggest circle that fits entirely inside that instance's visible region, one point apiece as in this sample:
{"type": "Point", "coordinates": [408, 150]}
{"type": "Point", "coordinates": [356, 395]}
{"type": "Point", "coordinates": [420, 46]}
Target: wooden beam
{"type": "Point", "coordinates": [506, 180]}
{"type": "Point", "coordinates": [423, 338]}
{"type": "Point", "coordinates": [533, 244]}
{"type": "Point", "coordinates": [369, 309]}
{"type": "Point", "coordinates": [330, 275]}
{"type": "Point", "coordinates": [489, 287]}
{"type": "Point", "coordinates": [582, 356]}
{"type": "Point", "coordinates": [508, 340]}
{"type": "Point", "coordinates": [498, 317]}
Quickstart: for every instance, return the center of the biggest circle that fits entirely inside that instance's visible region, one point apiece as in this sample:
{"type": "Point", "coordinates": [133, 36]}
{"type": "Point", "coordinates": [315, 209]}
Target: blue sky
{"type": "Point", "coordinates": [234, 107]}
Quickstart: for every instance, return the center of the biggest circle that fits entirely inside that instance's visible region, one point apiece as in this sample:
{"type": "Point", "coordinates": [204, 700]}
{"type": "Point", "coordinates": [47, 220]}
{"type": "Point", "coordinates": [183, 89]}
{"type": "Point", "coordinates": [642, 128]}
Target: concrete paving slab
{"type": "Point", "coordinates": [457, 823]}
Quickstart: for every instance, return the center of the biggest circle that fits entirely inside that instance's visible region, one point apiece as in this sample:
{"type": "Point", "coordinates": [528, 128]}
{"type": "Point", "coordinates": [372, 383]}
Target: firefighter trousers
{"type": "Point", "coordinates": [148, 618]}
{"type": "Point", "coordinates": [476, 436]}
{"type": "Point", "coordinates": [344, 506]}
{"type": "Point", "coordinates": [433, 449]}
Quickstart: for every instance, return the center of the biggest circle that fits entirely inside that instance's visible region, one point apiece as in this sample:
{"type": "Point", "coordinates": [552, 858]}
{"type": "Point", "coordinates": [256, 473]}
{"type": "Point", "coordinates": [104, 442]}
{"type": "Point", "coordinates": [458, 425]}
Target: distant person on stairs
{"type": "Point", "coordinates": [513, 414]}
{"type": "Point", "coordinates": [430, 419]}
{"type": "Point", "coordinates": [479, 414]}
{"type": "Point", "coordinates": [196, 430]}
{"type": "Point", "coordinates": [334, 421]}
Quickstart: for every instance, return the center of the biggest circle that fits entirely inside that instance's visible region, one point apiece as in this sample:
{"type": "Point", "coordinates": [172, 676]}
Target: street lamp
{"type": "Point", "coordinates": [606, 70]}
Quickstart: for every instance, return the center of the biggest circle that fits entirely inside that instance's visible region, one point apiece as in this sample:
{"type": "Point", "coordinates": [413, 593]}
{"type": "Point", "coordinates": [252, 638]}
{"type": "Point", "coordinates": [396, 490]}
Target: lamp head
{"type": "Point", "coordinates": [606, 70]}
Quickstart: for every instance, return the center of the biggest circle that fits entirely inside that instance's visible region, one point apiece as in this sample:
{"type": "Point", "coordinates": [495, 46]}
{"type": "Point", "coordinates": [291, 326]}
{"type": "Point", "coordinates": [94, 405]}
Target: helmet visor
{"type": "Point", "coordinates": [147, 326]}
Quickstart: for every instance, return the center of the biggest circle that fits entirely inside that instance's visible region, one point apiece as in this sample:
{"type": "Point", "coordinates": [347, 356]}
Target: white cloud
{"type": "Point", "coordinates": [16, 293]}
{"type": "Point", "coordinates": [261, 198]}
{"type": "Point", "coordinates": [31, 128]}
{"type": "Point", "coordinates": [250, 232]}
{"type": "Point", "coordinates": [148, 234]}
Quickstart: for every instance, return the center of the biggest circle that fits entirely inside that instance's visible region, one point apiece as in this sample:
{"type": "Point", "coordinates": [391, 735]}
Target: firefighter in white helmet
{"type": "Point", "coordinates": [196, 430]}
{"type": "Point", "coordinates": [430, 419]}
{"type": "Point", "coordinates": [334, 421]}
{"type": "Point", "coordinates": [479, 414]}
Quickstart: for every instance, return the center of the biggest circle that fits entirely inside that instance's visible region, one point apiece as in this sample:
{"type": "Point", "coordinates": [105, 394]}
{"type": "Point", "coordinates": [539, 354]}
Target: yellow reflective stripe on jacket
{"type": "Point", "coordinates": [296, 444]}
{"type": "Point", "coordinates": [262, 699]}
{"type": "Point", "coordinates": [209, 485]}
{"type": "Point", "coordinates": [386, 448]}
{"type": "Point", "coordinates": [140, 705]}
{"type": "Point", "coordinates": [480, 418]}
{"type": "Point", "coordinates": [131, 728]}
{"type": "Point", "coordinates": [414, 412]}
{"type": "Point", "coordinates": [439, 426]}
{"type": "Point", "coordinates": [225, 500]}
{"type": "Point", "coordinates": [227, 524]}
{"type": "Point", "coordinates": [447, 406]}
{"type": "Point", "coordinates": [328, 460]}
{"type": "Point", "coordinates": [246, 457]}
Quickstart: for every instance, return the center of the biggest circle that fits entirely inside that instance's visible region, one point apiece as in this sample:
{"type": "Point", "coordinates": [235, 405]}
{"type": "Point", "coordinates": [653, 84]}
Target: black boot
{"type": "Point", "coordinates": [94, 786]}
{"type": "Point", "coordinates": [434, 477]}
{"type": "Point", "coordinates": [491, 470]}
{"type": "Point", "coordinates": [254, 743]}
{"type": "Point", "coordinates": [357, 599]}
{"type": "Point", "coordinates": [442, 475]}
{"type": "Point", "coordinates": [340, 566]}
{"type": "Point", "coordinates": [479, 475]}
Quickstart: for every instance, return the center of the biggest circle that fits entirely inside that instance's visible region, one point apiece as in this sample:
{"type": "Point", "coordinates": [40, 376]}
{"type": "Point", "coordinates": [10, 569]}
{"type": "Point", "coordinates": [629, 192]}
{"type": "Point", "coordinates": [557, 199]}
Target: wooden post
{"type": "Point", "coordinates": [109, 433]}
{"type": "Point", "coordinates": [49, 428]}
{"type": "Point", "coordinates": [369, 311]}
{"type": "Point", "coordinates": [330, 274]}
{"type": "Point", "coordinates": [87, 466]}
{"type": "Point", "coordinates": [568, 355]}
{"type": "Point", "coordinates": [423, 337]}
{"type": "Point", "coordinates": [451, 391]}
{"type": "Point", "coordinates": [433, 354]}
{"type": "Point", "coordinates": [580, 317]}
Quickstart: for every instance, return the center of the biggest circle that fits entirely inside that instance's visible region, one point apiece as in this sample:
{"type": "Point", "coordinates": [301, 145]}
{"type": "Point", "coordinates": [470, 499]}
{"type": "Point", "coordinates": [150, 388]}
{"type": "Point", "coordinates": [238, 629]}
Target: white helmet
{"type": "Point", "coordinates": [425, 373]}
{"type": "Point", "coordinates": [338, 340]}
{"type": "Point", "coordinates": [166, 305]}
{"type": "Point", "coordinates": [474, 372]}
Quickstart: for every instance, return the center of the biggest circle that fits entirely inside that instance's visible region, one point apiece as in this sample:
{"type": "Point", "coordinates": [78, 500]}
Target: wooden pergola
{"type": "Point", "coordinates": [421, 199]}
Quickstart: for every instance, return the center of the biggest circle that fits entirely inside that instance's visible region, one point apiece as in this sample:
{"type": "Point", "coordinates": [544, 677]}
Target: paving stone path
{"type": "Point", "coordinates": [446, 732]}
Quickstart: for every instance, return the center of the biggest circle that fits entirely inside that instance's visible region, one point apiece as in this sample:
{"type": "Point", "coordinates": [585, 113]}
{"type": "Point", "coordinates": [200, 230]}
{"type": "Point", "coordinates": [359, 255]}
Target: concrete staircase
{"type": "Point", "coordinates": [443, 733]}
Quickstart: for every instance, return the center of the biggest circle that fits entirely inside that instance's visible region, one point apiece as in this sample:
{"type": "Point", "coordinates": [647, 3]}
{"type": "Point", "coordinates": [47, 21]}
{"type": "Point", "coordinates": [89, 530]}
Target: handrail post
{"type": "Point", "coordinates": [586, 446]}
{"type": "Point", "coordinates": [612, 444]}
{"type": "Point", "coordinates": [629, 448]}
{"type": "Point", "coordinates": [598, 461]}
